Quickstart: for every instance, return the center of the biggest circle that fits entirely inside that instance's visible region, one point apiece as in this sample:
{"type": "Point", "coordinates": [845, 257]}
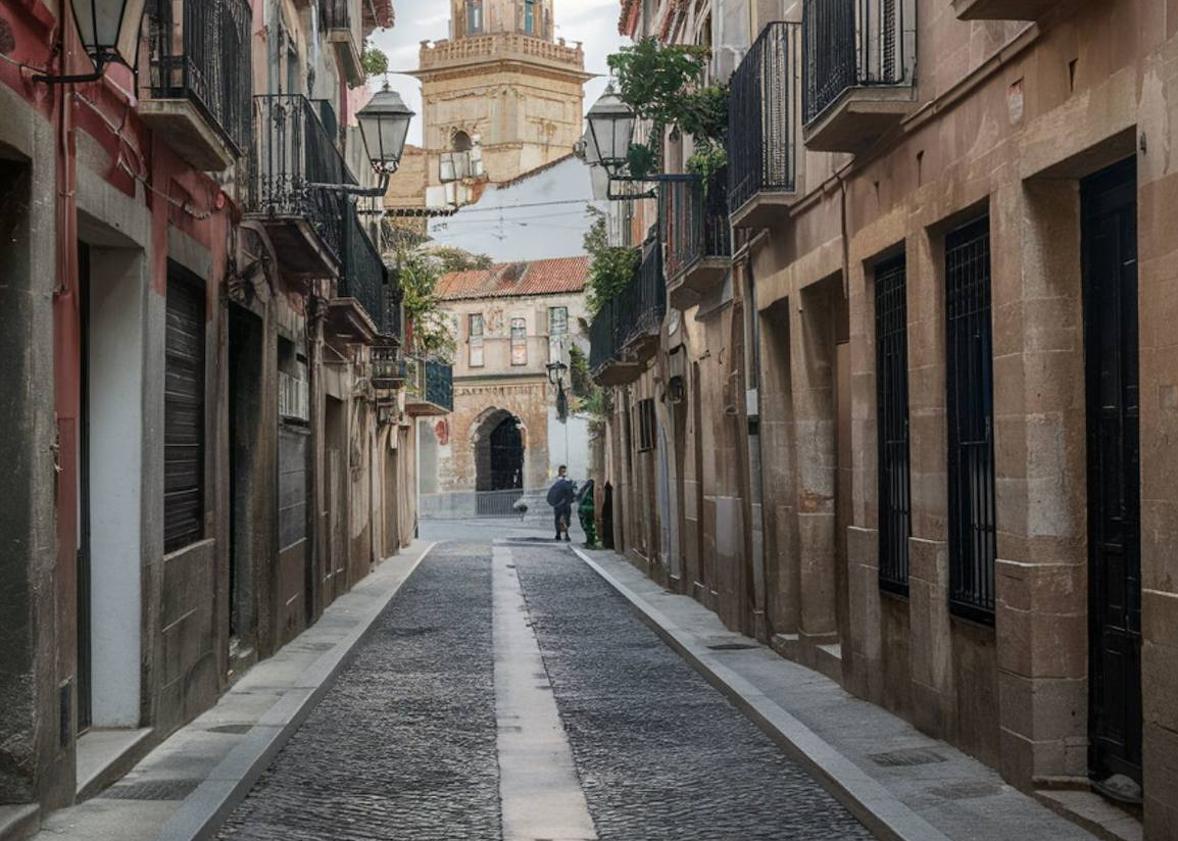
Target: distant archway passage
{"type": "Point", "coordinates": [500, 453]}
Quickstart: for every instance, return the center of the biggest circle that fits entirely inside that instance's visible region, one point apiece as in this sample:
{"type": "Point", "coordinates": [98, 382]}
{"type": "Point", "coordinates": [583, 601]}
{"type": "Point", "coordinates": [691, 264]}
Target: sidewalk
{"type": "Point", "coordinates": [900, 783]}
{"type": "Point", "coordinates": [185, 788]}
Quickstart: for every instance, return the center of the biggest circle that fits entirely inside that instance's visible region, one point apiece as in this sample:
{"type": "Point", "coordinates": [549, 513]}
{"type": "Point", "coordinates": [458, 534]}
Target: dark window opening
{"type": "Point", "coordinates": [646, 425]}
{"type": "Point", "coordinates": [891, 355]}
{"type": "Point", "coordinates": [970, 380]}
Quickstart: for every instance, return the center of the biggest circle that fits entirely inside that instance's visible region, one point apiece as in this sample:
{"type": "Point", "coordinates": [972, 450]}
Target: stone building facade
{"type": "Point", "coordinates": [502, 96]}
{"type": "Point", "coordinates": [510, 322]}
{"type": "Point", "coordinates": [943, 390]}
{"type": "Point", "coordinates": [198, 457]}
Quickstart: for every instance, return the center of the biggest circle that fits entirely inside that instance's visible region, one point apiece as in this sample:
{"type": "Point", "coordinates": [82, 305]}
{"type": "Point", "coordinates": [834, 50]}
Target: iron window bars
{"type": "Point", "coordinates": [694, 222]}
{"type": "Point", "coordinates": [762, 131]}
{"type": "Point", "coordinates": [891, 376]}
{"type": "Point", "coordinates": [206, 60]}
{"type": "Point", "coordinates": [970, 381]}
{"type": "Point", "coordinates": [850, 44]}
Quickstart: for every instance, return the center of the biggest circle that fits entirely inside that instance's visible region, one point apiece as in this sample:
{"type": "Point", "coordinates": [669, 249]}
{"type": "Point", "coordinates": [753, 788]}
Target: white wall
{"type": "Point", "coordinates": [568, 443]}
{"type": "Point", "coordinates": [499, 226]}
{"type": "Point", "coordinates": [117, 305]}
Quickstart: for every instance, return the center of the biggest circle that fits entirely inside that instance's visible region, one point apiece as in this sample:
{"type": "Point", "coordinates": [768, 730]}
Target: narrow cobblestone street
{"type": "Point", "coordinates": [405, 744]}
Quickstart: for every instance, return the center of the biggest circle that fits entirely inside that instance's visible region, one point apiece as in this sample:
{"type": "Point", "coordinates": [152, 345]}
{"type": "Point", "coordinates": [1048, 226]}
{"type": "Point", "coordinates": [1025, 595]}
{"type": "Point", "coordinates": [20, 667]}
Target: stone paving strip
{"type": "Point", "coordinates": [662, 756]}
{"type": "Point", "coordinates": [900, 783]}
{"type": "Point", "coordinates": [188, 784]}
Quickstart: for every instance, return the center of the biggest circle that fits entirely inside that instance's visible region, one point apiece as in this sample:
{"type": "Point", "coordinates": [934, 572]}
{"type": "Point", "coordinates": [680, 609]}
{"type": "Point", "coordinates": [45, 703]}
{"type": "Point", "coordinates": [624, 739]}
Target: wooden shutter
{"type": "Point", "coordinates": [184, 410]}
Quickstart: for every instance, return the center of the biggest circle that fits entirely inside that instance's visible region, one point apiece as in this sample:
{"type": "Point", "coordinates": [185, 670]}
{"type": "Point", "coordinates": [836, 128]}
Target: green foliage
{"type": "Point", "coordinates": [419, 272]}
{"type": "Point", "coordinates": [375, 62]}
{"type": "Point", "coordinates": [589, 397]}
{"type": "Point", "coordinates": [610, 267]}
{"type": "Point", "coordinates": [456, 259]}
{"type": "Point", "coordinates": [663, 83]}
{"type": "Point", "coordinates": [708, 159]}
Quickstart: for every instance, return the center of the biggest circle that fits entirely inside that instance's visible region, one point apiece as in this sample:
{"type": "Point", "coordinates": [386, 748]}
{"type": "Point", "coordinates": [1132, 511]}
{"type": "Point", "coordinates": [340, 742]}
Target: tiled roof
{"type": "Point", "coordinates": [539, 277]}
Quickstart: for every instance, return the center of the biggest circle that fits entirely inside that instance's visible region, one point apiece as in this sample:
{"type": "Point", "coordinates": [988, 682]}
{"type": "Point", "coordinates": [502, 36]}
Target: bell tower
{"type": "Point", "coordinates": [504, 83]}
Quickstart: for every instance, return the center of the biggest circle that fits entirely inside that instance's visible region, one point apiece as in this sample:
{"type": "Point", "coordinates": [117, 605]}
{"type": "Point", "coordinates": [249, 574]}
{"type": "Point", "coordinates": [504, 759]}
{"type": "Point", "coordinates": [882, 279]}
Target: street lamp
{"type": "Point", "coordinates": [384, 125]}
{"type": "Point", "coordinates": [611, 131]}
{"type": "Point", "coordinates": [556, 372]}
{"type": "Point", "coordinates": [109, 31]}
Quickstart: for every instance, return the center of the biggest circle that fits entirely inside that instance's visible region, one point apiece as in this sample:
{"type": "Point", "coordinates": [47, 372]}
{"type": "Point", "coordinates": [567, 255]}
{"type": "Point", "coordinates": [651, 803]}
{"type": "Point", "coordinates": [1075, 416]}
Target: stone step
{"type": "Point", "coordinates": [19, 822]}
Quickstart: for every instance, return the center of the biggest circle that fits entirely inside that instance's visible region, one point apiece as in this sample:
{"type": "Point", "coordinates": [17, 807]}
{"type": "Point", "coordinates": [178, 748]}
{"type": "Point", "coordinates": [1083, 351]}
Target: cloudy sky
{"type": "Point", "coordinates": [593, 22]}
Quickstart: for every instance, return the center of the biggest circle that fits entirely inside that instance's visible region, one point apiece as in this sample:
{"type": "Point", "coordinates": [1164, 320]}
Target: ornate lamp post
{"type": "Point", "coordinates": [109, 31]}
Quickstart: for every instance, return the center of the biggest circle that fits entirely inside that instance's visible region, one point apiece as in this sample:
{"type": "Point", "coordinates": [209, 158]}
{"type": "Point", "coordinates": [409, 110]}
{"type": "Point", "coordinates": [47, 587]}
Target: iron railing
{"type": "Point", "coordinates": [637, 311]}
{"type": "Point", "coordinates": [498, 503]}
{"type": "Point", "coordinates": [294, 156]}
{"type": "Point", "coordinates": [394, 296]}
{"type": "Point", "coordinates": [363, 275]}
{"type": "Point", "coordinates": [849, 44]}
{"type": "Point", "coordinates": [762, 121]}
{"type": "Point", "coordinates": [694, 222]}
{"type": "Point", "coordinates": [970, 384]}
{"type": "Point", "coordinates": [430, 381]}
{"type": "Point", "coordinates": [205, 58]}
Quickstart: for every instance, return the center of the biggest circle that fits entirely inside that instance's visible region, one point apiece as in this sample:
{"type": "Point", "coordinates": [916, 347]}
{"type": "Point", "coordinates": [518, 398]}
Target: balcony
{"type": "Point", "coordinates": [858, 71]}
{"type": "Point", "coordinates": [624, 335]}
{"type": "Point", "coordinates": [763, 128]}
{"type": "Point", "coordinates": [698, 237]}
{"type": "Point", "coordinates": [1002, 9]}
{"type": "Point", "coordinates": [429, 387]}
{"type": "Point", "coordinates": [199, 79]}
{"type": "Point", "coordinates": [359, 312]}
{"type": "Point", "coordinates": [293, 156]}
{"type": "Point", "coordinates": [343, 26]}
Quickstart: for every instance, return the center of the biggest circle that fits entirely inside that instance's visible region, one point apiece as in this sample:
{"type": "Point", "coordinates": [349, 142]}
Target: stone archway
{"type": "Point", "coordinates": [500, 448]}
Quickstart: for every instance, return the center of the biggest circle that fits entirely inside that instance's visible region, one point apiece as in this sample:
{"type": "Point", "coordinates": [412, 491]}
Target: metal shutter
{"type": "Point", "coordinates": [184, 425]}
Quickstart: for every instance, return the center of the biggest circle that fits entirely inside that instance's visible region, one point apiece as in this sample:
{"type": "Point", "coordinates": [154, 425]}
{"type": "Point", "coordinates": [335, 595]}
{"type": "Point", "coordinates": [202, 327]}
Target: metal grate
{"type": "Point", "coordinates": [891, 352]}
{"type": "Point", "coordinates": [970, 380]}
{"type": "Point", "coordinates": [907, 758]}
{"type": "Point", "coordinates": [693, 221]}
{"type": "Point", "coordinates": [761, 121]}
{"type": "Point", "coordinates": [154, 790]}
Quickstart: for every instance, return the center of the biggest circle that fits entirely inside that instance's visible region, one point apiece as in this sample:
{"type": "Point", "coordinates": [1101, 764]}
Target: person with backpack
{"type": "Point", "coordinates": [561, 496]}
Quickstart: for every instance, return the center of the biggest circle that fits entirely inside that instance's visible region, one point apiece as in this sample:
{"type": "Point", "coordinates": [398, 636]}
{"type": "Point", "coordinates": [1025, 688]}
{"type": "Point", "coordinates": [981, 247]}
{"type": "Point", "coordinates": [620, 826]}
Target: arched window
{"type": "Point", "coordinates": [462, 142]}
{"type": "Point", "coordinates": [530, 17]}
{"type": "Point", "coordinates": [474, 17]}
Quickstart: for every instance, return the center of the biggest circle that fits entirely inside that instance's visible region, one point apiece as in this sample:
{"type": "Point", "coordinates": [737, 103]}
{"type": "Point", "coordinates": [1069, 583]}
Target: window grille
{"type": "Point", "coordinates": [646, 425]}
{"type": "Point", "coordinates": [891, 346]}
{"type": "Point", "coordinates": [970, 381]}
{"type": "Point", "coordinates": [184, 410]}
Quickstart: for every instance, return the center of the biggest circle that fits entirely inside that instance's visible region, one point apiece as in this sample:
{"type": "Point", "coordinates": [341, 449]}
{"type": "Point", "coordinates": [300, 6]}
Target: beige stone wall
{"type": "Point", "coordinates": [1013, 137]}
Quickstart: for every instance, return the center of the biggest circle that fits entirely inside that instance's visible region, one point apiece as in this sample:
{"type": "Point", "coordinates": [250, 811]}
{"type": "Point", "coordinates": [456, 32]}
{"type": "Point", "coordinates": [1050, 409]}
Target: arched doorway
{"type": "Point", "coordinates": [500, 446]}
{"type": "Point", "coordinates": [507, 456]}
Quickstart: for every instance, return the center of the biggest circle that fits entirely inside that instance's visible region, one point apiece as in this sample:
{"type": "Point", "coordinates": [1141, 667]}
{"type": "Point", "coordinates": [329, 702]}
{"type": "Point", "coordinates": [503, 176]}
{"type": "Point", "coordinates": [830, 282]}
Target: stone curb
{"type": "Point", "coordinates": [203, 812]}
{"type": "Point", "coordinates": [884, 815]}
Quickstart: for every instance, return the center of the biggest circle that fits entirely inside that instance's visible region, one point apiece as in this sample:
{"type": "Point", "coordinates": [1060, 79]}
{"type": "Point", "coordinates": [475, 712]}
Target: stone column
{"type": "Point", "coordinates": [813, 375]}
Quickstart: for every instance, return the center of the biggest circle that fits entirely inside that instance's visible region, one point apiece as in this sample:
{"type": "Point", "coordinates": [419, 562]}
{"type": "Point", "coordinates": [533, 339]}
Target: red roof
{"type": "Point", "coordinates": [540, 277]}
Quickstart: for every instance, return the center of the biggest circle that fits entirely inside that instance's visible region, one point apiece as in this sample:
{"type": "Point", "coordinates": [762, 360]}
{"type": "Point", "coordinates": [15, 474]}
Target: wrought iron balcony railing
{"type": "Point", "coordinates": [625, 324]}
{"type": "Point", "coordinates": [762, 117]}
{"type": "Point", "coordinates": [851, 44]}
{"type": "Point", "coordinates": [343, 22]}
{"type": "Point", "coordinates": [204, 57]}
{"type": "Point", "coordinates": [694, 223]}
{"type": "Point", "coordinates": [363, 275]}
{"type": "Point", "coordinates": [293, 156]}
{"type": "Point", "coordinates": [429, 386]}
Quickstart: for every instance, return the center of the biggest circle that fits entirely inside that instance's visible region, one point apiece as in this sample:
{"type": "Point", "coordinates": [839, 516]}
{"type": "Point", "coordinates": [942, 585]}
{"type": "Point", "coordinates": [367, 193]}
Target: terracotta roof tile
{"type": "Point", "coordinates": [539, 277]}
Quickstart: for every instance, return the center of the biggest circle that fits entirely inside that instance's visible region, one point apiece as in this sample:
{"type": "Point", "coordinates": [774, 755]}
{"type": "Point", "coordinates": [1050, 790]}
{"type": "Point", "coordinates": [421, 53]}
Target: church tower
{"type": "Point", "coordinates": [505, 83]}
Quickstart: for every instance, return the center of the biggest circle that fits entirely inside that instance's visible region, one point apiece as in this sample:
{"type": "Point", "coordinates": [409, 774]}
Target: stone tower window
{"type": "Point", "coordinates": [461, 142]}
{"type": "Point", "coordinates": [530, 17]}
{"type": "Point", "coordinates": [474, 17]}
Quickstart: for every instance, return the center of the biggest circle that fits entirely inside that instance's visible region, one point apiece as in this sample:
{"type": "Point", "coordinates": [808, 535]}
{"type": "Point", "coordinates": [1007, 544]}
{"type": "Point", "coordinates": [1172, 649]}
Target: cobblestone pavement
{"type": "Point", "coordinates": [404, 745]}
{"type": "Point", "coordinates": [661, 754]}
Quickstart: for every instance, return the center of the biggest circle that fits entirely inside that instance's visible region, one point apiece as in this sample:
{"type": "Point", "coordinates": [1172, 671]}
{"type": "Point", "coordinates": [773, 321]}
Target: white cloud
{"type": "Point", "coordinates": [592, 22]}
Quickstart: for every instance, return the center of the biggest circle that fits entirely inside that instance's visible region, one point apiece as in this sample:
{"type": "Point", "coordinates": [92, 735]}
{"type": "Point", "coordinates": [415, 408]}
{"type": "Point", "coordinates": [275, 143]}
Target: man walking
{"type": "Point", "coordinates": [561, 496]}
